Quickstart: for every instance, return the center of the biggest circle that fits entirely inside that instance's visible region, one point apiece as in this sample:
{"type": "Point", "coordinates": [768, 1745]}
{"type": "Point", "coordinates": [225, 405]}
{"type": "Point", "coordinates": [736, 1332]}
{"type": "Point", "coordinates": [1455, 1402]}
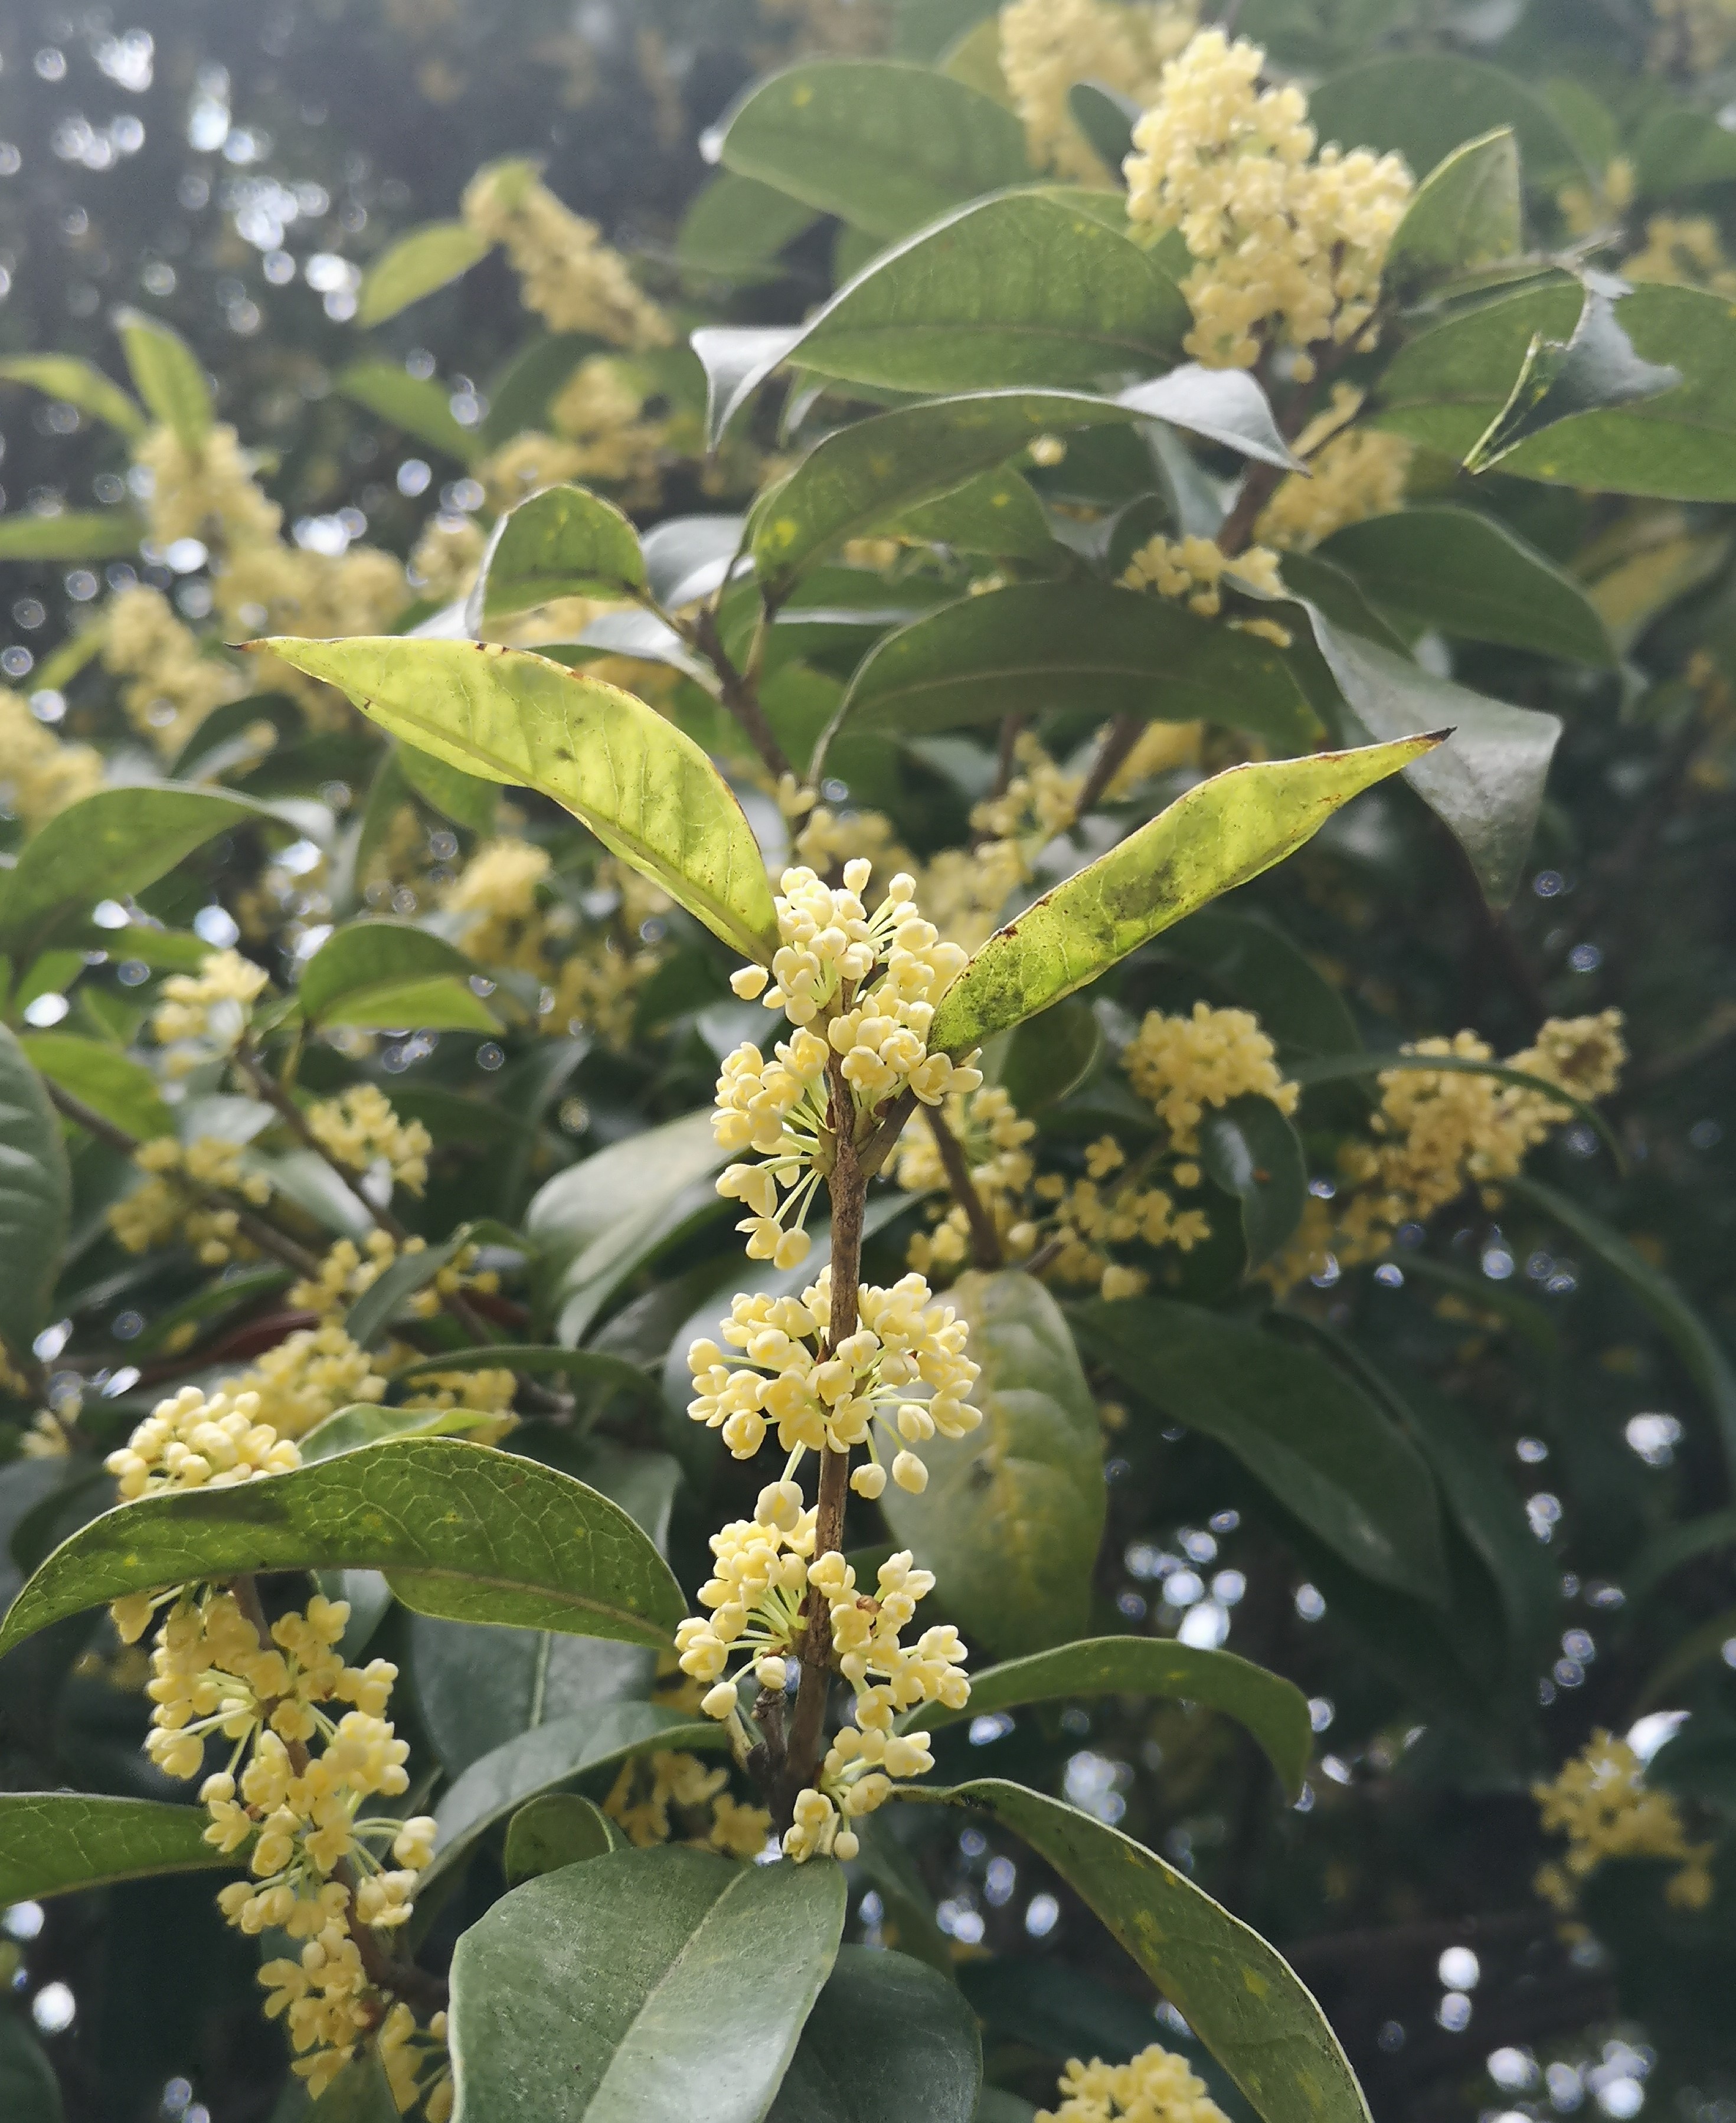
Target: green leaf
{"type": "Point", "coordinates": [419, 406]}
{"type": "Point", "coordinates": [472, 1534]}
{"type": "Point", "coordinates": [735, 228]}
{"type": "Point", "coordinates": [380, 1303]}
{"type": "Point", "coordinates": [1082, 644]}
{"type": "Point", "coordinates": [1702, 1356]}
{"type": "Point", "coordinates": [846, 2070]}
{"type": "Point", "coordinates": [111, 1083]}
{"type": "Point", "coordinates": [1466, 212]}
{"type": "Point", "coordinates": [1274, 1710]}
{"type": "Point", "coordinates": [885, 146]}
{"type": "Point", "coordinates": [53, 1843]}
{"type": "Point", "coordinates": [1219, 834]}
{"type": "Point", "coordinates": [77, 382]}
{"type": "Point", "coordinates": [416, 265]}
{"type": "Point", "coordinates": [467, 799]}
{"type": "Point", "coordinates": [1425, 105]}
{"type": "Point", "coordinates": [1596, 369]}
{"type": "Point", "coordinates": [1012, 1517]}
{"type": "Point", "coordinates": [1106, 118]}
{"type": "Point", "coordinates": [1252, 961]}
{"type": "Point", "coordinates": [687, 2011]}
{"type": "Point", "coordinates": [559, 1828]}
{"type": "Point", "coordinates": [1329, 1455]}
{"type": "Point", "coordinates": [1018, 291]}
{"type": "Point", "coordinates": [1240, 1997]}
{"type": "Point", "coordinates": [647, 791]}
{"type": "Point", "coordinates": [108, 846]}
{"type": "Point", "coordinates": [30, 2093]}
{"type": "Point", "coordinates": [74, 534]}
{"type": "Point", "coordinates": [350, 1428]}
{"type": "Point", "coordinates": [35, 1199]}
{"type": "Point", "coordinates": [1485, 784]}
{"type": "Point", "coordinates": [1251, 1151]}
{"type": "Point", "coordinates": [997, 512]}
{"type": "Point", "coordinates": [547, 1757]}
{"type": "Point", "coordinates": [167, 374]}
{"type": "Point", "coordinates": [564, 541]}
{"type": "Point", "coordinates": [1447, 385]}
{"type": "Point", "coordinates": [379, 974]}
{"type": "Point", "coordinates": [1047, 1057]}
{"type": "Point", "coordinates": [1469, 574]}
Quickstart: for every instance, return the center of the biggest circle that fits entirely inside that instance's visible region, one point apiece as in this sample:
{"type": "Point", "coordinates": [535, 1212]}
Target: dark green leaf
{"type": "Point", "coordinates": [1425, 105]}
{"type": "Point", "coordinates": [107, 847]}
{"type": "Point", "coordinates": [647, 791]}
{"type": "Point", "coordinates": [845, 2070]}
{"type": "Point", "coordinates": [53, 1843]}
{"type": "Point", "coordinates": [559, 1828]}
{"type": "Point", "coordinates": [685, 2012]}
{"type": "Point", "coordinates": [1594, 371]}
{"type": "Point", "coordinates": [1047, 1057]}
{"type": "Point", "coordinates": [427, 258]}
{"type": "Point", "coordinates": [1273, 1710]}
{"type": "Point", "coordinates": [1469, 574]}
{"type": "Point", "coordinates": [886, 146]}
{"type": "Point", "coordinates": [1486, 783]}
{"type": "Point", "coordinates": [30, 2093]}
{"type": "Point", "coordinates": [1702, 1356]}
{"type": "Point", "coordinates": [466, 798]}
{"type": "Point", "coordinates": [565, 541]}
{"type": "Point", "coordinates": [547, 1757]}
{"type": "Point", "coordinates": [467, 1533]}
{"type": "Point", "coordinates": [1448, 385]}
{"type": "Point", "coordinates": [736, 226]}
{"type": "Point", "coordinates": [35, 1199]}
{"type": "Point", "coordinates": [167, 375]}
{"type": "Point", "coordinates": [77, 382]}
{"type": "Point", "coordinates": [111, 1083]}
{"type": "Point", "coordinates": [1703, 1535]}
{"type": "Point", "coordinates": [1011, 1520]}
{"type": "Point", "coordinates": [1238, 1996]}
{"type": "Point", "coordinates": [1107, 119]}
{"type": "Point", "coordinates": [1083, 645]}
{"type": "Point", "coordinates": [73, 535]}
{"type": "Point", "coordinates": [1255, 963]}
{"type": "Point", "coordinates": [1219, 834]}
{"type": "Point", "coordinates": [1018, 291]}
{"type": "Point", "coordinates": [997, 512]}
{"type": "Point", "coordinates": [1251, 1150]}
{"type": "Point", "coordinates": [1325, 1452]}
{"type": "Point", "coordinates": [420, 408]}
{"type": "Point", "coordinates": [1466, 212]}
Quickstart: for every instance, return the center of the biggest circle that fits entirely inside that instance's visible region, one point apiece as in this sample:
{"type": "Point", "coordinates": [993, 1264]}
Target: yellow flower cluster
{"type": "Point", "coordinates": [171, 684]}
{"type": "Point", "coordinates": [1359, 473]}
{"type": "Point", "coordinates": [1155, 2087]}
{"type": "Point", "coordinates": [444, 561]}
{"type": "Point", "coordinates": [310, 1374]}
{"type": "Point", "coordinates": [763, 1568]}
{"type": "Point", "coordinates": [1181, 1066]}
{"type": "Point", "coordinates": [1686, 250]}
{"type": "Point", "coordinates": [416, 2064]}
{"type": "Point", "coordinates": [648, 1786]}
{"type": "Point", "coordinates": [1087, 1220]}
{"type": "Point", "coordinates": [359, 1129]}
{"type": "Point", "coordinates": [904, 1368]}
{"type": "Point", "coordinates": [1040, 799]}
{"type": "Point", "coordinates": [1436, 1134]}
{"type": "Point", "coordinates": [201, 1017]}
{"type": "Point", "coordinates": [1193, 570]}
{"type": "Point", "coordinates": [193, 1442]}
{"type": "Point", "coordinates": [1601, 1803]}
{"type": "Point", "coordinates": [830, 949]}
{"type": "Point", "coordinates": [39, 773]}
{"type": "Point", "coordinates": [1289, 244]}
{"type": "Point", "coordinates": [497, 895]}
{"type": "Point", "coordinates": [527, 464]}
{"type": "Point", "coordinates": [567, 274]}
{"type": "Point", "coordinates": [600, 412]}
{"type": "Point", "coordinates": [208, 493]}
{"type": "Point", "coordinates": [173, 1201]}
{"type": "Point", "coordinates": [1047, 45]}
{"type": "Point", "coordinates": [1697, 34]}
{"type": "Point", "coordinates": [990, 1131]}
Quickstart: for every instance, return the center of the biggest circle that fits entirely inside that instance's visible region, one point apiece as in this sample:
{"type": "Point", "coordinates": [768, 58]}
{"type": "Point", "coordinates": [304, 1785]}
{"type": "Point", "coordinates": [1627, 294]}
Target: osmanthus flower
{"type": "Point", "coordinates": [1353, 473]}
{"type": "Point", "coordinates": [191, 1441]}
{"type": "Point", "coordinates": [40, 773]}
{"type": "Point", "coordinates": [1047, 45]}
{"type": "Point", "coordinates": [1602, 1803]}
{"type": "Point", "coordinates": [173, 1202]}
{"type": "Point", "coordinates": [1184, 1066]}
{"type": "Point", "coordinates": [201, 1017]}
{"type": "Point", "coordinates": [649, 1787]}
{"type": "Point", "coordinates": [1155, 2087]}
{"type": "Point", "coordinates": [861, 987]}
{"type": "Point", "coordinates": [359, 1129]}
{"type": "Point", "coordinates": [566, 272]}
{"type": "Point", "coordinates": [903, 1369]}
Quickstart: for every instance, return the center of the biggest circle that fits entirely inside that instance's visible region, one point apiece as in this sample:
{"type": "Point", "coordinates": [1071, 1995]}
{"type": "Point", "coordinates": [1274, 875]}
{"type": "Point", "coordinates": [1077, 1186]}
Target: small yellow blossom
{"type": "Point", "coordinates": [174, 1200]}
{"type": "Point", "coordinates": [1182, 1066]}
{"type": "Point", "coordinates": [196, 1441]}
{"type": "Point", "coordinates": [171, 685]}
{"type": "Point", "coordinates": [1193, 570]}
{"type": "Point", "coordinates": [1601, 1802]}
{"type": "Point", "coordinates": [359, 1129]}
{"type": "Point", "coordinates": [1047, 45]}
{"type": "Point", "coordinates": [203, 1015]}
{"type": "Point", "coordinates": [1359, 473]}
{"type": "Point", "coordinates": [567, 274]}
{"type": "Point", "coordinates": [310, 1374]}
{"type": "Point", "coordinates": [1155, 2087]}
{"type": "Point", "coordinates": [40, 774]}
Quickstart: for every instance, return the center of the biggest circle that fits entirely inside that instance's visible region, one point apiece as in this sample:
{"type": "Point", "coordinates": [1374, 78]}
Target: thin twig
{"type": "Point", "coordinates": [985, 1240]}
{"type": "Point", "coordinates": [740, 696]}
{"type": "Point", "coordinates": [1119, 741]}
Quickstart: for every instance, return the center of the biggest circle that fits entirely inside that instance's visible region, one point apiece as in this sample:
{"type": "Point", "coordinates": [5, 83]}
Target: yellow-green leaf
{"type": "Point", "coordinates": [1219, 834]}
{"type": "Point", "coordinates": [647, 791]}
{"type": "Point", "coordinates": [76, 382]}
{"type": "Point", "coordinates": [415, 265]}
{"type": "Point", "coordinates": [168, 376]}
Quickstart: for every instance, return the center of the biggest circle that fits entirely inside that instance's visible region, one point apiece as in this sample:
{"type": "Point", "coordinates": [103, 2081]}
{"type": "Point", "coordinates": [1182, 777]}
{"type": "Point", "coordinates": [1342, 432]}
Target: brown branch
{"type": "Point", "coordinates": [1118, 740]}
{"type": "Point", "coordinates": [1236, 532]}
{"type": "Point", "coordinates": [985, 1240]}
{"type": "Point", "coordinates": [740, 696]}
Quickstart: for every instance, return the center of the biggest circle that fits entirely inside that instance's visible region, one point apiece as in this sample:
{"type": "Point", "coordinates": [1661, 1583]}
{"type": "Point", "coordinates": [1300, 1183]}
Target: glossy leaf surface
{"type": "Point", "coordinates": [415, 265]}
{"type": "Point", "coordinates": [53, 1843]}
{"type": "Point", "coordinates": [35, 1198]}
{"type": "Point", "coordinates": [845, 2070]}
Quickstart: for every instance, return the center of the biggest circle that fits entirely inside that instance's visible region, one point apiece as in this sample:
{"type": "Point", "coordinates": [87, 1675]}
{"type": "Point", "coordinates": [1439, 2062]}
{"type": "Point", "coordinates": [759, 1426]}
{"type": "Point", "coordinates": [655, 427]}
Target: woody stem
{"type": "Point", "coordinates": [985, 1240]}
